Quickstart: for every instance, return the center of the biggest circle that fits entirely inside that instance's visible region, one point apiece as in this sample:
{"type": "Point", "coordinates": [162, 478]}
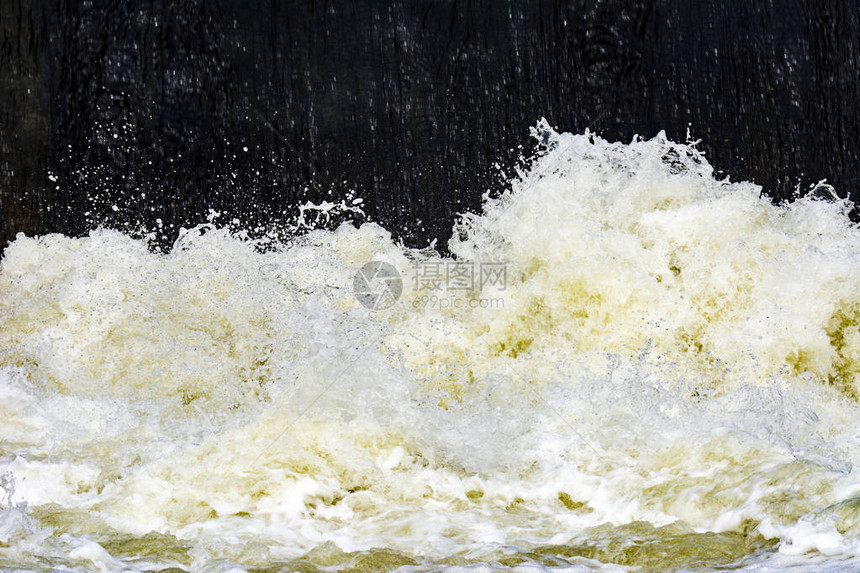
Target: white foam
{"type": "Point", "coordinates": [668, 349]}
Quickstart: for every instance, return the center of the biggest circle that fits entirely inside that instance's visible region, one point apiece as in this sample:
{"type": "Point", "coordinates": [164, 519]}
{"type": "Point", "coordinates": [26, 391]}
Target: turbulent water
{"type": "Point", "coordinates": [625, 363]}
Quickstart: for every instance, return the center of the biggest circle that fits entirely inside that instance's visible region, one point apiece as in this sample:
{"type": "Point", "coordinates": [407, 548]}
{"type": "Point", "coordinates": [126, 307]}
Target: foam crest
{"type": "Point", "coordinates": [618, 247]}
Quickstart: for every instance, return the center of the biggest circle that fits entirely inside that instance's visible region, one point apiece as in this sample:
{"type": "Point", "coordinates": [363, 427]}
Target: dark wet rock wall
{"type": "Point", "coordinates": [127, 113]}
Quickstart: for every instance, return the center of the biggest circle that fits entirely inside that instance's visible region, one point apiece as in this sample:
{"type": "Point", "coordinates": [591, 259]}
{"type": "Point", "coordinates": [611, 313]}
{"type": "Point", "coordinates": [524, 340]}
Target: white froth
{"type": "Point", "coordinates": [671, 357]}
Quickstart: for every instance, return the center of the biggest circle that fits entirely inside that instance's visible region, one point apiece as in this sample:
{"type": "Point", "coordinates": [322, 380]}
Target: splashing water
{"type": "Point", "coordinates": [625, 364]}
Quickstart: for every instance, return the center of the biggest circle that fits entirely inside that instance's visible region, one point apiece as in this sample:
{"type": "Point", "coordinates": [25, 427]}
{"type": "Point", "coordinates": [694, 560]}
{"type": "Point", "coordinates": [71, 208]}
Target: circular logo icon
{"type": "Point", "coordinates": [377, 285]}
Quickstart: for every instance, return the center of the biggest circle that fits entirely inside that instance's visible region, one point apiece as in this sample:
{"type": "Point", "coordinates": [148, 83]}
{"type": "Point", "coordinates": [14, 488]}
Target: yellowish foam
{"type": "Point", "coordinates": [668, 377]}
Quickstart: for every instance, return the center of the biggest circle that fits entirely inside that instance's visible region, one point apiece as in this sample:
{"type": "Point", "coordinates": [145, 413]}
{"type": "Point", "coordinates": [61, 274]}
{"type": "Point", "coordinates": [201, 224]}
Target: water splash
{"type": "Point", "coordinates": [666, 378]}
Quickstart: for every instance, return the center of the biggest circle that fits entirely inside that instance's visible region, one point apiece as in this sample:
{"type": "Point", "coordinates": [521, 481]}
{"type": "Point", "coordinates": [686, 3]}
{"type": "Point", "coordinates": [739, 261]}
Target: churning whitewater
{"type": "Point", "coordinates": [659, 370]}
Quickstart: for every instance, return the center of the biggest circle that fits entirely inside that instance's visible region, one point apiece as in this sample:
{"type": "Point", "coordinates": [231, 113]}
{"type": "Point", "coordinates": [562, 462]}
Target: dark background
{"type": "Point", "coordinates": [125, 112]}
